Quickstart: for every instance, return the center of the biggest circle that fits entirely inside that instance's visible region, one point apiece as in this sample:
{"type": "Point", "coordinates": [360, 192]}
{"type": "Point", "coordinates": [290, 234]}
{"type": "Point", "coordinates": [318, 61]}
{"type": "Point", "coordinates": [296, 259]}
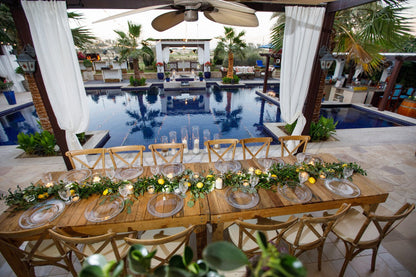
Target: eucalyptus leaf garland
{"type": "Point", "coordinates": [198, 184]}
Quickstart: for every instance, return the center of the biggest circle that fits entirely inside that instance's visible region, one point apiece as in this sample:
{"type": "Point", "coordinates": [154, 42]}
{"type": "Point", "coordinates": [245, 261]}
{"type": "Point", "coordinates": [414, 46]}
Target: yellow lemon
{"type": "Point", "coordinates": [46, 195]}
{"type": "Point", "coordinates": [257, 171]}
{"type": "Point", "coordinates": [161, 181]}
{"type": "Point", "coordinates": [209, 176]}
{"type": "Point", "coordinates": [274, 176]}
{"type": "Point", "coordinates": [72, 191]}
{"type": "Point", "coordinates": [105, 192]}
{"type": "Point", "coordinates": [199, 185]}
{"type": "Point", "coordinates": [297, 169]}
{"type": "Point", "coordinates": [311, 180]}
{"type": "Point", "coordinates": [187, 184]}
{"type": "Point", "coordinates": [40, 196]}
{"type": "Point", "coordinates": [344, 165]}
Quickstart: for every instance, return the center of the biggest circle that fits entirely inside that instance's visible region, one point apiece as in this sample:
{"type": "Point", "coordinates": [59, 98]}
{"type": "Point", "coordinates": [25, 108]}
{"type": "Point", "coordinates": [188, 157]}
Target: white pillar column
{"type": "Point", "coordinates": [339, 67]}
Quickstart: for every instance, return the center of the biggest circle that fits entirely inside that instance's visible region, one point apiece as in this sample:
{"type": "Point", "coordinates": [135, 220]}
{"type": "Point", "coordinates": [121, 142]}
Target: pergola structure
{"type": "Point", "coordinates": [331, 7]}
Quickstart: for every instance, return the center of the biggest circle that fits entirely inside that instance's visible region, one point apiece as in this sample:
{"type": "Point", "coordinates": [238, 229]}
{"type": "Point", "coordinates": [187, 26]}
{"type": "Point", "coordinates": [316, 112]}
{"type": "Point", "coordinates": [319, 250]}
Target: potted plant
{"type": "Point", "coordinates": [207, 70]}
{"type": "Point", "coordinates": [167, 76]}
{"type": "Point", "coordinates": [25, 83]}
{"type": "Point", "coordinates": [201, 76]}
{"type": "Point", "coordinates": [5, 87]}
{"type": "Point", "coordinates": [87, 64]}
{"type": "Point", "coordinates": [159, 68]}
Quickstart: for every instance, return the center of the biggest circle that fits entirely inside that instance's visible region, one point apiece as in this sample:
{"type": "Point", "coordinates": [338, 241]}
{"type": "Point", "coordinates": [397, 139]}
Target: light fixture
{"type": "Point", "coordinates": [326, 58]}
{"type": "Point", "coordinates": [26, 60]}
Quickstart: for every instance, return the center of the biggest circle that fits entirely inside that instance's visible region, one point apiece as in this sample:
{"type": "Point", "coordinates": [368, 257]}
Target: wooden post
{"type": "Point", "coordinates": [314, 83]}
{"type": "Point", "coordinates": [23, 31]}
{"type": "Point", "coordinates": [391, 83]}
{"type": "Point", "coordinates": [266, 75]}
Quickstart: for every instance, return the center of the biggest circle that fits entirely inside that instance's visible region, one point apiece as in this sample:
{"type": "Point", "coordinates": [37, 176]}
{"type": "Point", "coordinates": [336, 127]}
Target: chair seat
{"type": "Point", "coordinates": [108, 251]}
{"type": "Point", "coordinates": [307, 236]}
{"type": "Point", "coordinates": [350, 225]}
{"type": "Point", "coordinates": [46, 248]}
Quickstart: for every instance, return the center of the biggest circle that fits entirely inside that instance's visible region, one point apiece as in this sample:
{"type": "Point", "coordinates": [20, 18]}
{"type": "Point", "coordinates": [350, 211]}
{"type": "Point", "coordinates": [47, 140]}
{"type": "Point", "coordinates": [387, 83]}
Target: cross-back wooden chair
{"type": "Point", "coordinates": [157, 152]}
{"type": "Point", "coordinates": [361, 231]}
{"type": "Point", "coordinates": [111, 245]}
{"type": "Point", "coordinates": [126, 156]}
{"type": "Point", "coordinates": [166, 246]}
{"type": "Point", "coordinates": [286, 141]}
{"type": "Point", "coordinates": [246, 239]}
{"type": "Point", "coordinates": [210, 145]}
{"type": "Point", "coordinates": [311, 232]}
{"type": "Point", "coordinates": [39, 250]}
{"type": "Point", "coordinates": [264, 146]}
{"type": "Point", "coordinates": [84, 157]}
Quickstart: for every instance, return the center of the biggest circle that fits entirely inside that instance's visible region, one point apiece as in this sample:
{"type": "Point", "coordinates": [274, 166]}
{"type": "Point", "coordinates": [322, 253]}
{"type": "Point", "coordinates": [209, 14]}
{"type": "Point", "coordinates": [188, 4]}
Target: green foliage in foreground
{"type": "Point", "coordinates": [41, 144]}
{"type": "Point", "coordinates": [320, 131]}
{"type": "Point", "coordinates": [137, 82]}
{"type": "Point", "coordinates": [220, 255]}
{"type": "Point", "coordinates": [234, 80]}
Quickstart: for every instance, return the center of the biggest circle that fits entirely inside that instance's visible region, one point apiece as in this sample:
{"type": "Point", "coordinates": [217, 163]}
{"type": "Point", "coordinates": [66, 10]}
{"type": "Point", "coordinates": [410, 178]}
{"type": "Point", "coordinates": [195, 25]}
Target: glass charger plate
{"type": "Point", "coordinates": [311, 159]}
{"type": "Point", "coordinates": [164, 204]}
{"type": "Point", "coordinates": [104, 209]}
{"type": "Point", "coordinates": [75, 175]}
{"type": "Point", "coordinates": [263, 161]}
{"type": "Point", "coordinates": [174, 169]}
{"type": "Point", "coordinates": [225, 166]}
{"type": "Point", "coordinates": [295, 192]}
{"type": "Point", "coordinates": [41, 213]}
{"type": "Point", "coordinates": [240, 199]}
{"type": "Point", "coordinates": [342, 187]}
{"type": "Point", "coordinates": [128, 173]}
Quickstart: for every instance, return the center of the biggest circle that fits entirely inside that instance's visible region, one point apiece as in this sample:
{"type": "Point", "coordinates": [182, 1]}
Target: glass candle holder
{"type": "Point", "coordinates": [164, 139]}
{"type": "Point", "coordinates": [216, 136]}
{"type": "Point", "coordinates": [151, 189]}
{"type": "Point", "coordinates": [173, 139]}
{"type": "Point", "coordinates": [184, 136]}
{"type": "Point", "coordinates": [195, 139]}
{"type": "Point", "coordinates": [207, 136]}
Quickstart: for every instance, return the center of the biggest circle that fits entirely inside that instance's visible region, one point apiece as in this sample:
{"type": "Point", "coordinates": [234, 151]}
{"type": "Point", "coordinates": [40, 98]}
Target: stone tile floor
{"type": "Point", "coordinates": [388, 155]}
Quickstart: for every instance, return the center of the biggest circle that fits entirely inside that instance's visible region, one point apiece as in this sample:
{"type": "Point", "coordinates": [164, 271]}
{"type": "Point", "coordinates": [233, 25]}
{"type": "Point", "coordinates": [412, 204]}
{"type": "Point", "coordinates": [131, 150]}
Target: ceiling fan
{"type": "Point", "coordinates": [220, 11]}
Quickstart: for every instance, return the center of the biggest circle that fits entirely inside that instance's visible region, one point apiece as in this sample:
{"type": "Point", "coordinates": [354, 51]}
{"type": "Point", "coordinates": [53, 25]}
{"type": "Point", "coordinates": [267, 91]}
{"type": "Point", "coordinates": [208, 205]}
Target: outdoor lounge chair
{"type": "Point", "coordinates": [259, 63]}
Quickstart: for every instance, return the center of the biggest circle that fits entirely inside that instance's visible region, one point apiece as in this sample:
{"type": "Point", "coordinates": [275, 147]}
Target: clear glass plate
{"type": "Point", "coordinates": [174, 169]}
{"type": "Point", "coordinates": [310, 158]}
{"type": "Point", "coordinates": [225, 166]}
{"type": "Point", "coordinates": [263, 161]}
{"type": "Point", "coordinates": [128, 173]}
{"type": "Point", "coordinates": [75, 175]}
{"type": "Point", "coordinates": [241, 199]}
{"type": "Point", "coordinates": [295, 192]}
{"type": "Point", "coordinates": [164, 204]}
{"type": "Point", "coordinates": [41, 213]}
{"type": "Point", "coordinates": [342, 187]}
{"type": "Point", "coordinates": [104, 209]}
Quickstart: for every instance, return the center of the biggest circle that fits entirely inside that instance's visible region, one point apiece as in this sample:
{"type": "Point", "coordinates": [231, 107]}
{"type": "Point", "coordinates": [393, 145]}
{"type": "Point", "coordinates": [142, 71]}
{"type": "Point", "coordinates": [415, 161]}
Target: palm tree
{"type": "Point", "coordinates": [129, 46]}
{"type": "Point", "coordinates": [361, 32]}
{"type": "Point", "coordinates": [231, 43]}
{"type": "Point", "coordinates": [82, 36]}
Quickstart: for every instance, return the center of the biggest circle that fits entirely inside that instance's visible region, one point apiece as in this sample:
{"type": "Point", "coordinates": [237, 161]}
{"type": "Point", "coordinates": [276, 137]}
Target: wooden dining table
{"type": "Point", "coordinates": [213, 209]}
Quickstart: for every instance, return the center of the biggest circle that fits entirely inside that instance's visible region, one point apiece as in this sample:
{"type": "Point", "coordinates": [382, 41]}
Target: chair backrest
{"type": "Point", "coordinates": [309, 224]}
{"type": "Point", "coordinates": [127, 156]}
{"type": "Point", "coordinates": [257, 145]}
{"type": "Point", "coordinates": [39, 250]}
{"type": "Point", "coordinates": [301, 146]}
{"type": "Point", "coordinates": [385, 224]}
{"type": "Point", "coordinates": [83, 158]}
{"type": "Point", "coordinates": [166, 246]}
{"type": "Point", "coordinates": [159, 149]}
{"type": "Point", "coordinates": [259, 63]}
{"type": "Point", "coordinates": [100, 244]}
{"type": "Point", "coordinates": [246, 234]}
{"type": "Point", "coordinates": [211, 146]}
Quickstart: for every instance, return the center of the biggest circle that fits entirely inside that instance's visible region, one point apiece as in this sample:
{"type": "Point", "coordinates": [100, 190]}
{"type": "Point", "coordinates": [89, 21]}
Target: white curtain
{"type": "Point", "coordinates": [8, 66]}
{"type": "Point", "coordinates": [300, 42]}
{"type": "Point", "coordinates": [201, 55]}
{"type": "Point", "coordinates": [55, 52]}
{"type": "Point", "coordinates": [166, 54]}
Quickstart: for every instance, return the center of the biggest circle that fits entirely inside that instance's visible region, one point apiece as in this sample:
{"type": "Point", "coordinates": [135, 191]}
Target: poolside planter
{"type": "Point", "coordinates": [408, 108]}
{"type": "Point", "coordinates": [160, 75]}
{"type": "Point", "coordinates": [207, 75]}
{"type": "Point", "coordinates": [10, 97]}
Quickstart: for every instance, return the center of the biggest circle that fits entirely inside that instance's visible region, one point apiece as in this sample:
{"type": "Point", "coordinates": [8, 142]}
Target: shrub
{"type": "Point", "coordinates": [135, 82]}
{"type": "Point", "coordinates": [323, 129]}
{"type": "Point", "coordinates": [290, 127]}
{"type": "Point", "coordinates": [41, 144]}
{"type": "Point", "coordinates": [87, 63]}
{"type": "Point", "coordinates": [19, 70]}
{"type": "Point", "coordinates": [234, 80]}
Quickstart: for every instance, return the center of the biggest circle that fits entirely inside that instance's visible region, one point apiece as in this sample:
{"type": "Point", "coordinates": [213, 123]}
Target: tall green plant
{"type": "Point", "coordinates": [323, 129]}
{"type": "Point", "coordinates": [41, 144]}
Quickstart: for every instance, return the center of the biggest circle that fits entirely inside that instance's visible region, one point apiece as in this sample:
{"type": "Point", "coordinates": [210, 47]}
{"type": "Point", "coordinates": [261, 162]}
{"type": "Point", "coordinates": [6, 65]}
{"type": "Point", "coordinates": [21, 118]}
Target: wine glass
{"type": "Point", "coordinates": [347, 172]}
{"type": "Point", "coordinates": [110, 172]}
{"type": "Point", "coordinates": [123, 190]}
{"type": "Point", "coordinates": [254, 180]}
{"type": "Point", "coordinates": [267, 163]}
{"type": "Point", "coordinates": [183, 187]}
{"type": "Point", "coordinates": [300, 157]}
{"type": "Point", "coordinates": [154, 169]}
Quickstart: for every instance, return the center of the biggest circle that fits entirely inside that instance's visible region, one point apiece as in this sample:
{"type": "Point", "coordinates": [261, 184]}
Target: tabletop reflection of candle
{"type": "Point", "coordinates": [151, 189]}
{"type": "Point", "coordinates": [218, 183]}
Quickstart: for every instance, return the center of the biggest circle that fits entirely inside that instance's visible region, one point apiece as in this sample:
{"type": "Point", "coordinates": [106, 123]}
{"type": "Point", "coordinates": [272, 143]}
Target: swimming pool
{"type": "Point", "coordinates": [144, 117]}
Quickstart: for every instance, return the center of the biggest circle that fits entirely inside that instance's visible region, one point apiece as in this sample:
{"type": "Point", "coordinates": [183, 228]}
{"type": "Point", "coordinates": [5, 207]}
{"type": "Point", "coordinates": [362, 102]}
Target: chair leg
{"type": "Point", "coordinates": [320, 250]}
{"type": "Point", "coordinates": [348, 256]}
{"type": "Point", "coordinates": [373, 258]}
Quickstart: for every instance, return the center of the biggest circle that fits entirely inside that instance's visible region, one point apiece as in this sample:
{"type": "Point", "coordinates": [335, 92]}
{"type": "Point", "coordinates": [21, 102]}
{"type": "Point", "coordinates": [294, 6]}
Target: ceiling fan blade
{"type": "Point", "coordinates": [232, 17]}
{"type": "Point", "coordinates": [167, 20]}
{"type": "Point", "coordinates": [130, 13]}
{"type": "Point", "coordinates": [220, 4]}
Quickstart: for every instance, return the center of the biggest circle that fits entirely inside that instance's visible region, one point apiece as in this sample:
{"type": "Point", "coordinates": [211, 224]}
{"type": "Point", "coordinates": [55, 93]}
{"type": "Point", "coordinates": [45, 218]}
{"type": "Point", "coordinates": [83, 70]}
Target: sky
{"type": "Point", "coordinates": [201, 29]}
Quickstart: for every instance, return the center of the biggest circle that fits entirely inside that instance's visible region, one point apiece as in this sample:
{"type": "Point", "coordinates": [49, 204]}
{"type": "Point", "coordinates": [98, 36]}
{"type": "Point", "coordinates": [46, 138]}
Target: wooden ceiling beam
{"type": "Point", "coordinates": [345, 4]}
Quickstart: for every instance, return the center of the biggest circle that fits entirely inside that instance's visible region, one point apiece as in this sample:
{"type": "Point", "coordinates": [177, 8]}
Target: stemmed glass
{"type": "Point", "coordinates": [110, 172]}
{"type": "Point", "coordinates": [254, 180]}
{"type": "Point", "coordinates": [300, 157]}
{"type": "Point", "coordinates": [347, 172]}
{"type": "Point", "coordinates": [267, 163]}
{"type": "Point", "coordinates": [183, 187]}
{"type": "Point", "coordinates": [124, 191]}
{"type": "Point", "coordinates": [154, 169]}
